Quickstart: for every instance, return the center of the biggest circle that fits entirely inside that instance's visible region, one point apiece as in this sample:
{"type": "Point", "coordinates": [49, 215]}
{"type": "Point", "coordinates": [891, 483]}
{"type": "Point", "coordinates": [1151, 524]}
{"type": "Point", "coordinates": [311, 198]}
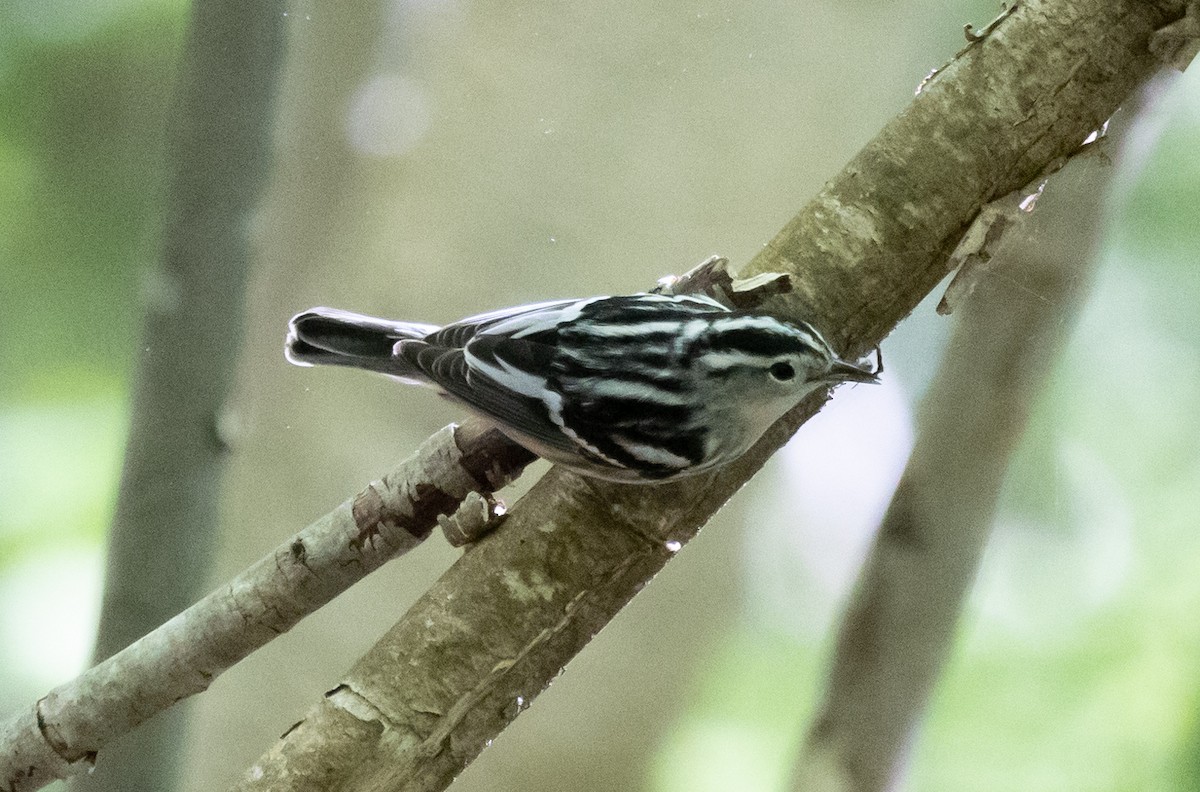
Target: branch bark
{"type": "Point", "coordinates": [898, 628]}
{"type": "Point", "coordinates": [498, 626]}
{"type": "Point", "coordinates": [60, 735]}
{"type": "Point", "coordinates": [162, 532]}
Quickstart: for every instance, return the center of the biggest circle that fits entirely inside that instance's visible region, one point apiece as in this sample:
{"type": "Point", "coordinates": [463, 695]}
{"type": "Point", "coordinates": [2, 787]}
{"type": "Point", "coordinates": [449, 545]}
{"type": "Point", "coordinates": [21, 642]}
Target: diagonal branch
{"type": "Point", "coordinates": [499, 625]}
{"type": "Point", "coordinates": [898, 628]}
{"type": "Point", "coordinates": [61, 734]}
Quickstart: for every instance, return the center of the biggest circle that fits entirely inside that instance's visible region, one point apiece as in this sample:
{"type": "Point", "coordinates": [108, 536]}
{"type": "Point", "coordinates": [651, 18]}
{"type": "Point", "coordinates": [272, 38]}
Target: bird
{"type": "Point", "coordinates": [641, 388]}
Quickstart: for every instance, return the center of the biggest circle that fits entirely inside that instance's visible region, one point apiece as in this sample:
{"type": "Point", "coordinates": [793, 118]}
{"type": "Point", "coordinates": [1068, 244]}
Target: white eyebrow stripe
{"type": "Point", "coordinates": [720, 361]}
{"type": "Point", "coordinates": [767, 324]}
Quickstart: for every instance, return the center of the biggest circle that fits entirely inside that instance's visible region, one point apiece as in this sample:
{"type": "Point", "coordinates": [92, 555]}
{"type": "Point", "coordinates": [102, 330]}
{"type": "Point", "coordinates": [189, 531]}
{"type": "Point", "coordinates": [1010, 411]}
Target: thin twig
{"type": "Point", "coordinates": [63, 732]}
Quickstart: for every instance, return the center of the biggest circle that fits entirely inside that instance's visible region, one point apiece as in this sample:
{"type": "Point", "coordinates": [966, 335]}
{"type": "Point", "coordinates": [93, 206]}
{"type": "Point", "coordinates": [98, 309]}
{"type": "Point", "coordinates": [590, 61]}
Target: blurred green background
{"type": "Point", "coordinates": [438, 157]}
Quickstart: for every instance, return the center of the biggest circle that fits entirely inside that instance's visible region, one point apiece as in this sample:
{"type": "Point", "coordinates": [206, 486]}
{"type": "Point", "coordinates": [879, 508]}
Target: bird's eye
{"type": "Point", "coordinates": [782, 371]}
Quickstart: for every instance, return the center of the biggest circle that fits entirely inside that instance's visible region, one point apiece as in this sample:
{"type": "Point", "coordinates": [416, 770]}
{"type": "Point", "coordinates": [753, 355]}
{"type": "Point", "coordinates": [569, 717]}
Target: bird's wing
{"type": "Point", "coordinates": [458, 334]}
{"type": "Point", "coordinates": [528, 321]}
{"type": "Point", "coordinates": [498, 363]}
{"type": "Point", "coordinates": [497, 388]}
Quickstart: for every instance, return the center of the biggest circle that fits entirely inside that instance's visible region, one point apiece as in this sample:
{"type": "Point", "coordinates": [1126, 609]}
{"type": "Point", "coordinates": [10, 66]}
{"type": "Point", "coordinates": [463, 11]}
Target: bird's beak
{"type": "Point", "coordinates": [841, 371]}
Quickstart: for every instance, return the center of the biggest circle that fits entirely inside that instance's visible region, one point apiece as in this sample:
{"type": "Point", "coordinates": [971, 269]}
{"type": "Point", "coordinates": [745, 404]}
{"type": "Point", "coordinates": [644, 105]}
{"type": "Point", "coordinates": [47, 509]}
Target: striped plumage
{"type": "Point", "coordinates": [640, 388]}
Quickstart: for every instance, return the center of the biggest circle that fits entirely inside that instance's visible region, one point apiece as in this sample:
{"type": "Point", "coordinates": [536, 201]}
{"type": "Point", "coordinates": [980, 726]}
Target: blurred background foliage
{"type": "Point", "coordinates": [439, 157]}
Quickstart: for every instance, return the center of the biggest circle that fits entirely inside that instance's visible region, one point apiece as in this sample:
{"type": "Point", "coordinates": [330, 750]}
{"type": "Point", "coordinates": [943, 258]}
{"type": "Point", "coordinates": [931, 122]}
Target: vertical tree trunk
{"type": "Point", "coordinates": [166, 512]}
{"type": "Point", "coordinates": [898, 627]}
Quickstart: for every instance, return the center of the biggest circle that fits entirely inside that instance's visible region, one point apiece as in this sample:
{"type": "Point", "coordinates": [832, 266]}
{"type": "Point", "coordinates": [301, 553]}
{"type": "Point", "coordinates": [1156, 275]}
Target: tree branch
{"type": "Point", "coordinates": [500, 624]}
{"type": "Point", "coordinates": [61, 734]}
{"type": "Point", "coordinates": [897, 631]}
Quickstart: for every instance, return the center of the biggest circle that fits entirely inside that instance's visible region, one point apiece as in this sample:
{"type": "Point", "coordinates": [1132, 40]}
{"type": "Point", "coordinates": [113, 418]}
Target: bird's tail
{"type": "Point", "coordinates": [330, 337]}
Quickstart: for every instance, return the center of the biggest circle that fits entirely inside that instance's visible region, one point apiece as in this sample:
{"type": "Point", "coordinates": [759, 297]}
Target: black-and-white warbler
{"type": "Point", "coordinates": [639, 389]}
